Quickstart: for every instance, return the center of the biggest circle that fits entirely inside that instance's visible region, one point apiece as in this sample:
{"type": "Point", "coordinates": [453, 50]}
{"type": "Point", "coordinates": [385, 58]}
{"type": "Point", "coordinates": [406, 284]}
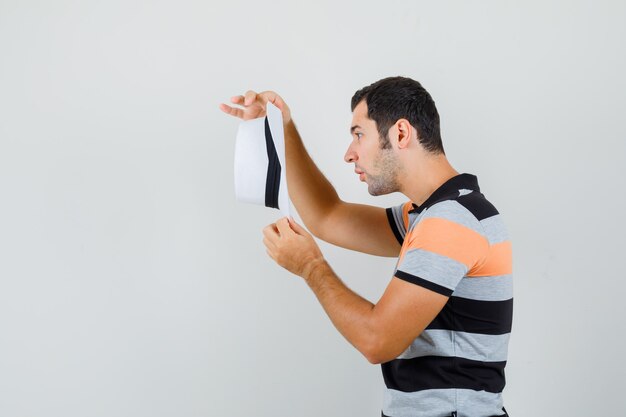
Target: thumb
{"type": "Point", "coordinates": [296, 227]}
{"type": "Point", "coordinates": [283, 226]}
{"type": "Point", "coordinates": [275, 99]}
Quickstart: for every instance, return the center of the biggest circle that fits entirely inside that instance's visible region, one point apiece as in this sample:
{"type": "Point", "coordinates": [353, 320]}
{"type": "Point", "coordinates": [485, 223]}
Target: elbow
{"type": "Point", "coordinates": [377, 358]}
{"type": "Point", "coordinates": [383, 349]}
{"type": "Point", "coordinates": [377, 352]}
{"type": "Point", "coordinates": [374, 359]}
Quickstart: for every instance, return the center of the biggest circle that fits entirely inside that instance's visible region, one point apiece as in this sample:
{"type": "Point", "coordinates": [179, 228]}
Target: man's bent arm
{"type": "Point", "coordinates": [380, 332]}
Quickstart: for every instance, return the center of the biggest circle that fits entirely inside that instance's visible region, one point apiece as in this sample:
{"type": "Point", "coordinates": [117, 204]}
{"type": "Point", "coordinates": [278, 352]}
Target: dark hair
{"type": "Point", "coordinates": [396, 98]}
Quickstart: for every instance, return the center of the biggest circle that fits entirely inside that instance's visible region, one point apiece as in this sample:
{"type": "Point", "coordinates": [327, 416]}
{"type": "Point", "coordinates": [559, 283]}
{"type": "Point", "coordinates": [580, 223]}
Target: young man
{"type": "Point", "coordinates": [442, 326]}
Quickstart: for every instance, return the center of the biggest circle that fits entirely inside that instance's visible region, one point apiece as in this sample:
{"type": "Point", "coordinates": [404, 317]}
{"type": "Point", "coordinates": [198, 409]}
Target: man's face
{"type": "Point", "coordinates": [375, 166]}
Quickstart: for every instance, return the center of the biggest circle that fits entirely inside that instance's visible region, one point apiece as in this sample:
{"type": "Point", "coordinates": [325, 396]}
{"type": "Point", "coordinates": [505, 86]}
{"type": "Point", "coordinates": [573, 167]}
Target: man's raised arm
{"type": "Point", "coordinates": [353, 226]}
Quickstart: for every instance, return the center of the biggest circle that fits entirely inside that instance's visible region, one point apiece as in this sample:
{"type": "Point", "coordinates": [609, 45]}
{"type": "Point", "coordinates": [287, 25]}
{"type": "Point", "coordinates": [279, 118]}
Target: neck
{"type": "Point", "coordinates": [424, 178]}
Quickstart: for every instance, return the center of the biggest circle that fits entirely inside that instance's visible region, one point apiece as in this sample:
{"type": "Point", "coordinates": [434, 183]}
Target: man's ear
{"type": "Point", "coordinates": [404, 131]}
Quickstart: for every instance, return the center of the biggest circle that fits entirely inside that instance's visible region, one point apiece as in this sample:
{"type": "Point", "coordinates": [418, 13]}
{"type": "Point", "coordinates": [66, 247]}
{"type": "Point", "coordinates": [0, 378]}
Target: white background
{"type": "Point", "coordinates": [131, 282]}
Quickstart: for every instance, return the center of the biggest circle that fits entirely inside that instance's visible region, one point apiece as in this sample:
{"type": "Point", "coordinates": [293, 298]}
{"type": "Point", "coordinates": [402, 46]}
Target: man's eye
{"type": "Point", "coordinates": [358, 135]}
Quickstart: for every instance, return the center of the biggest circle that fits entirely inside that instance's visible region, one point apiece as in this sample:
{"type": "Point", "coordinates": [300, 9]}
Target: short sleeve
{"type": "Point", "coordinates": [441, 248]}
{"type": "Point", "coordinates": [398, 217]}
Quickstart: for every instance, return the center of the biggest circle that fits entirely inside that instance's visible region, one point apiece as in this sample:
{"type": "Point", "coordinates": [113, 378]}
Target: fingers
{"type": "Point", "coordinates": [288, 225]}
{"type": "Point", "coordinates": [271, 232]}
{"type": "Point", "coordinates": [295, 226]}
{"type": "Point", "coordinates": [254, 105]}
{"type": "Point", "coordinates": [269, 245]}
{"type": "Point", "coordinates": [250, 101]}
{"type": "Point", "coordinates": [270, 238]}
{"type": "Point", "coordinates": [283, 227]}
{"type": "Point", "coordinates": [237, 100]}
{"type": "Point", "coordinates": [233, 111]}
{"type": "Point", "coordinates": [269, 96]}
{"type": "Point", "coordinates": [273, 98]}
{"type": "Point", "coordinates": [249, 98]}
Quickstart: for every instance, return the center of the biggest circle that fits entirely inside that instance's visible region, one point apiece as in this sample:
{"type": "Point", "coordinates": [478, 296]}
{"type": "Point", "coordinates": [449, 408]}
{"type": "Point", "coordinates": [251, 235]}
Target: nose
{"type": "Point", "coordinates": [350, 155]}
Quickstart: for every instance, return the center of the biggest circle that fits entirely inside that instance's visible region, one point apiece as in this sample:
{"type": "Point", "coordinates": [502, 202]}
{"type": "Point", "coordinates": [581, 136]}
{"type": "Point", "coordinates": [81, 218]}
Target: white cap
{"type": "Point", "coordinates": [260, 168]}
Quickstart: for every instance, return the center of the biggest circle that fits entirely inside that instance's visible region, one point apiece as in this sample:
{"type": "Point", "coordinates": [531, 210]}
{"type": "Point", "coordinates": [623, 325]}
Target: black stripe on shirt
{"type": "Point", "coordinates": [424, 283]}
{"type": "Point", "coordinates": [394, 226]}
{"type": "Point", "coordinates": [450, 190]}
{"type": "Point", "coordinates": [475, 316]}
{"type": "Point", "coordinates": [442, 372]}
{"type": "Point", "coordinates": [477, 204]}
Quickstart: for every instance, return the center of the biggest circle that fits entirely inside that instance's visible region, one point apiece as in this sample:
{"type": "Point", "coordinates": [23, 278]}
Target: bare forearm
{"type": "Point", "coordinates": [311, 193]}
{"type": "Point", "coordinates": [351, 314]}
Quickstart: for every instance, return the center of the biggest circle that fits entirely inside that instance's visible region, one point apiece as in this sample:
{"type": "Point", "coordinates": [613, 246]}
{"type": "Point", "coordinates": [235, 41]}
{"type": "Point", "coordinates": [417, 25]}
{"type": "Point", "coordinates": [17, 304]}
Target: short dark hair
{"type": "Point", "coordinates": [396, 98]}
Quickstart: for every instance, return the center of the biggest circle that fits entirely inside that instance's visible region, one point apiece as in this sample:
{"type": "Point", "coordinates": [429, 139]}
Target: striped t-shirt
{"type": "Point", "coordinates": [455, 244]}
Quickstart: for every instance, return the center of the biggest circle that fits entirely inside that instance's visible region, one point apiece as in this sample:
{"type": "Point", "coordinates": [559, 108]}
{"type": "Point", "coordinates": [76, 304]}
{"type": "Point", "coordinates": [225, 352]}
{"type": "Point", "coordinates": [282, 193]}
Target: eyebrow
{"type": "Point", "coordinates": [353, 128]}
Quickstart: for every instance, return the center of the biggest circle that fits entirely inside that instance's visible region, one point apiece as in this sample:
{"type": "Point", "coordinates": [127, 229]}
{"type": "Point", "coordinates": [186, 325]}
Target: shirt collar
{"type": "Point", "coordinates": [449, 189]}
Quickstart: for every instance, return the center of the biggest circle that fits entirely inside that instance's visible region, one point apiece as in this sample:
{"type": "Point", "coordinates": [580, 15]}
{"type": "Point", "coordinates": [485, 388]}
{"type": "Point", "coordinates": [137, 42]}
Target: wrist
{"type": "Point", "coordinates": [313, 269]}
{"type": "Point", "coordinates": [288, 125]}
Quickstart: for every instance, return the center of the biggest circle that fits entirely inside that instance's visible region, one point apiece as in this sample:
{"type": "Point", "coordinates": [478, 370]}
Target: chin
{"type": "Point", "coordinates": [377, 192]}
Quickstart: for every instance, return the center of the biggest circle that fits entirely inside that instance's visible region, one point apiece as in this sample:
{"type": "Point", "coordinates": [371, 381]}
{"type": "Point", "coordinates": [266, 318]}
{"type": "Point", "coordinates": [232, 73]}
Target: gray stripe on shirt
{"type": "Point", "coordinates": [495, 288]}
{"type": "Point", "coordinates": [397, 215]}
{"type": "Point", "coordinates": [433, 267]}
{"type": "Point", "coordinates": [473, 346]}
{"type": "Point", "coordinates": [453, 211]}
{"type": "Point", "coordinates": [441, 402]}
{"type": "Point", "coordinates": [494, 229]}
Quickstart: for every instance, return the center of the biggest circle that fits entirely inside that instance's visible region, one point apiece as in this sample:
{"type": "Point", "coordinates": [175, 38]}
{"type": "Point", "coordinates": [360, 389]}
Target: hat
{"type": "Point", "coordinates": [260, 168]}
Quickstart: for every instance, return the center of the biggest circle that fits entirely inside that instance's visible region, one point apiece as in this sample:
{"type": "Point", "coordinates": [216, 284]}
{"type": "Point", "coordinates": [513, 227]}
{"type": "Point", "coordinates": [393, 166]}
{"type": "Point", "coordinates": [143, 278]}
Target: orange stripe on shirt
{"type": "Point", "coordinates": [405, 214]}
{"type": "Point", "coordinates": [449, 239]}
{"type": "Point", "coordinates": [499, 261]}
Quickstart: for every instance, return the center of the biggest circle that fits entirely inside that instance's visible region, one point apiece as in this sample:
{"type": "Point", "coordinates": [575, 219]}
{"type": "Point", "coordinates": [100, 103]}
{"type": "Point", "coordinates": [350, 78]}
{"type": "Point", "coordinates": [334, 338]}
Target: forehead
{"type": "Point", "coordinates": [359, 116]}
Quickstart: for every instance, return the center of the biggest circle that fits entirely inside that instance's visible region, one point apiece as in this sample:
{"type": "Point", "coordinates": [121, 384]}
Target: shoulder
{"type": "Point", "coordinates": [469, 219]}
{"type": "Point", "coordinates": [476, 203]}
{"type": "Point", "coordinates": [399, 219]}
{"type": "Point", "coordinates": [451, 212]}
